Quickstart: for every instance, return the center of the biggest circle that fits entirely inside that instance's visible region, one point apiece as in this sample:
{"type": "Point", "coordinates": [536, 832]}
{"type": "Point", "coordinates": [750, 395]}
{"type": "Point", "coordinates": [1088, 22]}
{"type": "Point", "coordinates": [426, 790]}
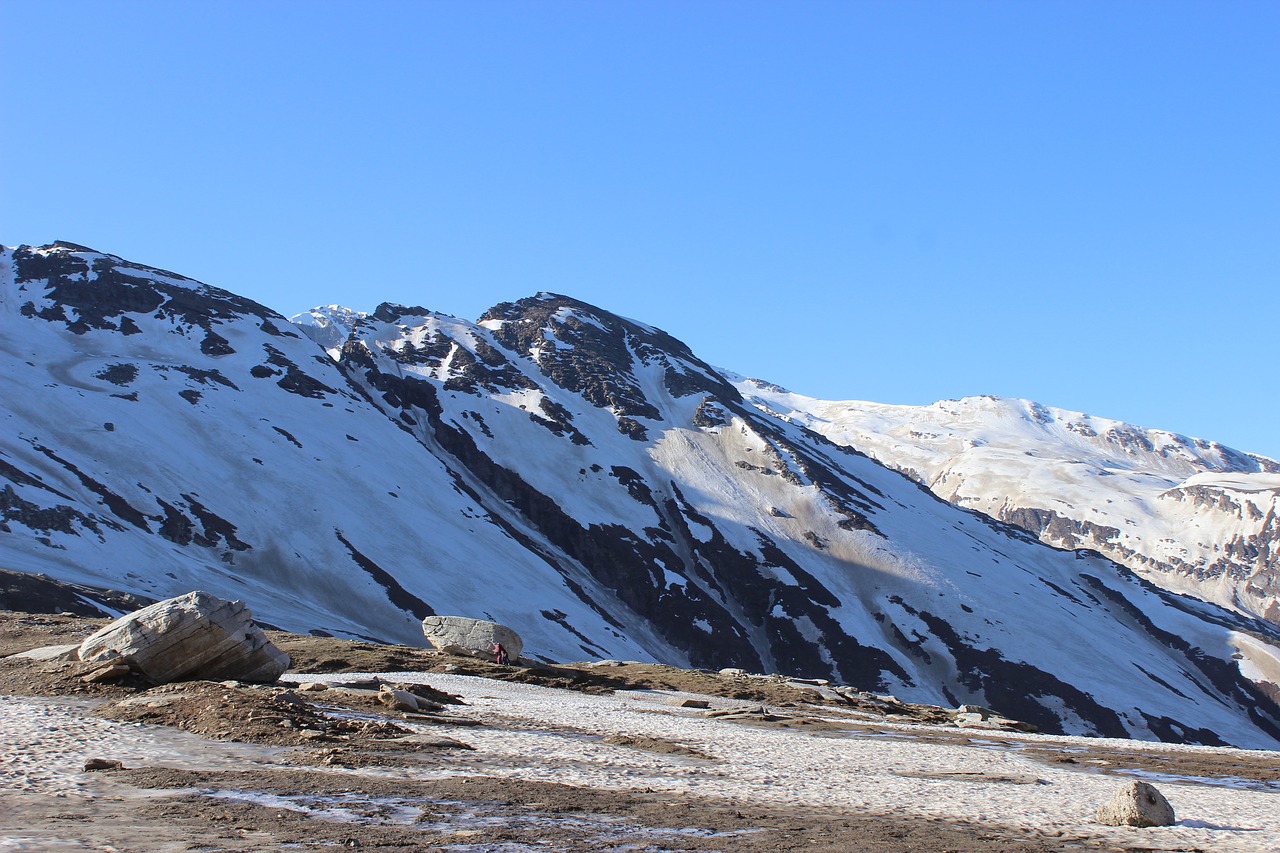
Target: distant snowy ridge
{"type": "Point", "coordinates": [1190, 515]}
{"type": "Point", "coordinates": [582, 477]}
{"type": "Point", "coordinates": [329, 325]}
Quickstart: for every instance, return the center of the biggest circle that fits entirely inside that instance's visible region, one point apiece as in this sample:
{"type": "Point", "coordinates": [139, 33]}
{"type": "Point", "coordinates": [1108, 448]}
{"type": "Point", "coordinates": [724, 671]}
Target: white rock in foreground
{"type": "Point", "coordinates": [196, 635]}
{"type": "Point", "coordinates": [462, 636]}
{"type": "Point", "coordinates": [61, 652]}
{"type": "Point", "coordinates": [1137, 804]}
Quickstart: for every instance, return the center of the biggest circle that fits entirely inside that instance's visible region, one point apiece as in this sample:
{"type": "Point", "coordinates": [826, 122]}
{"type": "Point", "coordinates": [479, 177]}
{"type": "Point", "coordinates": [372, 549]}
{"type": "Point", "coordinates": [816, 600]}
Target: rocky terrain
{"type": "Point", "coordinates": [589, 756]}
{"type": "Point", "coordinates": [581, 477]}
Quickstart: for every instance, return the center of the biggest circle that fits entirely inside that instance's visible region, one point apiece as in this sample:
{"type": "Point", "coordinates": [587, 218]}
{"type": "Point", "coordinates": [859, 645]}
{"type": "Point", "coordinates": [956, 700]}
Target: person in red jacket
{"type": "Point", "coordinates": [500, 654]}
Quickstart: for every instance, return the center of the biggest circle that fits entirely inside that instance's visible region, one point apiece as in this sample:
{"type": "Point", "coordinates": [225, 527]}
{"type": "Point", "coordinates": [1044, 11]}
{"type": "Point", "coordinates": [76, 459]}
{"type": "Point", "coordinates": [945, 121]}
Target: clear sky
{"type": "Point", "coordinates": [1073, 202]}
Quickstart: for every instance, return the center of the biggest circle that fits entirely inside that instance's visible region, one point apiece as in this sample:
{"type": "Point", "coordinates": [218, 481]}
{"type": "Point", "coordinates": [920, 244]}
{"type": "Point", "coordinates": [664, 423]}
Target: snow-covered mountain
{"type": "Point", "coordinates": [1188, 514]}
{"type": "Point", "coordinates": [580, 476]}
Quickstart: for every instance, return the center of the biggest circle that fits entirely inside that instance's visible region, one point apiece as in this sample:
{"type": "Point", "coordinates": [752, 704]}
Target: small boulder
{"type": "Point", "coordinates": [978, 710]}
{"type": "Point", "coordinates": [459, 635]}
{"type": "Point", "coordinates": [1136, 804]}
{"type": "Point", "coordinates": [398, 700]}
{"type": "Point", "coordinates": [196, 635]}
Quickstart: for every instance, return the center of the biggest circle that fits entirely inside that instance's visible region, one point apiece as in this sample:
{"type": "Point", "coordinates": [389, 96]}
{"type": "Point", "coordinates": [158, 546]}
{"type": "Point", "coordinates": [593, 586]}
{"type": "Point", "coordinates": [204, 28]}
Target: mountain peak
{"type": "Point", "coordinates": [67, 246]}
{"type": "Point", "coordinates": [90, 291]}
{"type": "Point", "coordinates": [602, 355]}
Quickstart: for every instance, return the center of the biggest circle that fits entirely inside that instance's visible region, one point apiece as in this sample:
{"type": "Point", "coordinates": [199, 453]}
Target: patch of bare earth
{"type": "Point", "coordinates": [261, 810]}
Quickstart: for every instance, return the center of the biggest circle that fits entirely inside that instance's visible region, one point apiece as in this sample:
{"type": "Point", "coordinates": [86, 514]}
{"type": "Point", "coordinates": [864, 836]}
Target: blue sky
{"type": "Point", "coordinates": [1073, 202]}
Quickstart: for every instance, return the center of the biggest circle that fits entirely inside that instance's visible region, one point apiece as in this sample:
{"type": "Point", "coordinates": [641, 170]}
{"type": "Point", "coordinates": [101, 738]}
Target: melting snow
{"type": "Point", "coordinates": [789, 767]}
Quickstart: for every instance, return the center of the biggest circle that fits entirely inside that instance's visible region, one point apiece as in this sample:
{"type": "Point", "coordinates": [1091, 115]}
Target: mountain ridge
{"type": "Point", "coordinates": [580, 476]}
{"type": "Point", "coordinates": [1192, 515]}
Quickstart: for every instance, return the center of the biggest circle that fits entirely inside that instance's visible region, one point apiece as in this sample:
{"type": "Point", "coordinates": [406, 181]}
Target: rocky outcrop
{"type": "Point", "coordinates": [1136, 804]}
{"type": "Point", "coordinates": [462, 636]}
{"type": "Point", "coordinates": [196, 635]}
{"type": "Point", "coordinates": [978, 717]}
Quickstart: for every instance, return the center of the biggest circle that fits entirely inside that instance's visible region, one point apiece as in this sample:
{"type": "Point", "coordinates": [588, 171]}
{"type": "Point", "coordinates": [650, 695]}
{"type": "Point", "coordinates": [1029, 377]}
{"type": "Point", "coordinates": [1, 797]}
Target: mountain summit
{"type": "Point", "coordinates": [582, 477]}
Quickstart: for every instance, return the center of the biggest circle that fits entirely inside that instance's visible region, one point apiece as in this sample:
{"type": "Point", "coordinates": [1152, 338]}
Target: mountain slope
{"type": "Point", "coordinates": [161, 435]}
{"type": "Point", "coordinates": [750, 540]}
{"type": "Point", "coordinates": [580, 476]}
{"type": "Point", "coordinates": [1188, 514]}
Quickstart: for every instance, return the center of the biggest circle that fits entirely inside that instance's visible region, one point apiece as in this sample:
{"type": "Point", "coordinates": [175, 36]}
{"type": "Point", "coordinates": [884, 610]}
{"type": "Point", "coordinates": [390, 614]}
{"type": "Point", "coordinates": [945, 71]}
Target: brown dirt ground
{"type": "Point", "coordinates": [478, 813]}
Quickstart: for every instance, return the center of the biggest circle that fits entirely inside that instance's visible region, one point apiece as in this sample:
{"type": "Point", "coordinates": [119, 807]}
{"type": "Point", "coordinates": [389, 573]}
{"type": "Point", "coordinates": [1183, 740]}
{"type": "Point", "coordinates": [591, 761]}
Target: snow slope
{"type": "Point", "coordinates": [1188, 514]}
{"type": "Point", "coordinates": [217, 448]}
{"type": "Point", "coordinates": [582, 477]}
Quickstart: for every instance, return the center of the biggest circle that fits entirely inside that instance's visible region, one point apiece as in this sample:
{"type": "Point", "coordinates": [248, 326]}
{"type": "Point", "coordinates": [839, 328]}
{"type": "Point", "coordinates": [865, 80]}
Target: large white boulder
{"type": "Point", "coordinates": [462, 636]}
{"type": "Point", "coordinates": [196, 635]}
{"type": "Point", "coordinates": [1136, 804]}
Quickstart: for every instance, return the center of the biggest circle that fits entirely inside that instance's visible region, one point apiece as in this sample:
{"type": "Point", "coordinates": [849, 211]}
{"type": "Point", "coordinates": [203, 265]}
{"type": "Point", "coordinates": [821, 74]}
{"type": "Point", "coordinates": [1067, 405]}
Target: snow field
{"type": "Point", "coordinates": [47, 741]}
{"type": "Point", "coordinates": [555, 737]}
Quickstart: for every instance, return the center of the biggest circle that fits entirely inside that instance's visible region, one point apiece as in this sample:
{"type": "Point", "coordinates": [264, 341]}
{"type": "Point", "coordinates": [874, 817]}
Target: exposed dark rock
{"type": "Point", "coordinates": [21, 478]}
{"type": "Point", "coordinates": [596, 360]}
{"type": "Point", "coordinates": [119, 507]}
{"type": "Point", "coordinates": [479, 421]}
{"type": "Point", "coordinates": [29, 593]}
{"type": "Point", "coordinates": [391, 312]}
{"type": "Point", "coordinates": [175, 527]}
{"type": "Point", "coordinates": [204, 377]}
{"type": "Point", "coordinates": [615, 556]}
{"type": "Point", "coordinates": [494, 373]}
{"type": "Point", "coordinates": [710, 414]}
{"type": "Point", "coordinates": [215, 344]}
{"type": "Point", "coordinates": [105, 288]}
{"type": "Point", "coordinates": [815, 540]}
{"type": "Point", "coordinates": [1013, 687]}
{"type": "Point", "coordinates": [1263, 710]}
{"type": "Point", "coordinates": [215, 527]}
{"type": "Point", "coordinates": [1172, 731]}
{"type": "Point", "coordinates": [289, 436]}
{"type": "Point", "coordinates": [398, 595]}
{"type": "Point", "coordinates": [1068, 532]}
{"type": "Point", "coordinates": [60, 518]}
{"type": "Point", "coordinates": [632, 429]}
{"type": "Point", "coordinates": [295, 381]}
{"type": "Point", "coordinates": [118, 374]}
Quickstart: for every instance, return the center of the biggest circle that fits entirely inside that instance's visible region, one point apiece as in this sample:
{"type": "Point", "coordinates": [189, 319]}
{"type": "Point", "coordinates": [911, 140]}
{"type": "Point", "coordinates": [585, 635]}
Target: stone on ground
{"type": "Point", "coordinates": [1137, 804]}
{"type": "Point", "coordinates": [196, 635]}
{"type": "Point", "coordinates": [459, 635]}
{"type": "Point", "coordinates": [108, 670]}
{"type": "Point", "coordinates": [398, 700]}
